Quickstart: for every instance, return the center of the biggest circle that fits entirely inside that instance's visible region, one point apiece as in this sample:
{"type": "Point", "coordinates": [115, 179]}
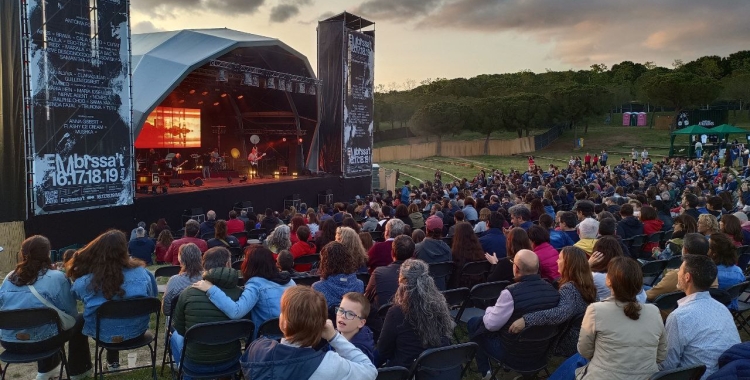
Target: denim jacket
{"type": "Point", "coordinates": [138, 282]}
{"type": "Point", "coordinates": [53, 286]}
{"type": "Point", "coordinates": [261, 298]}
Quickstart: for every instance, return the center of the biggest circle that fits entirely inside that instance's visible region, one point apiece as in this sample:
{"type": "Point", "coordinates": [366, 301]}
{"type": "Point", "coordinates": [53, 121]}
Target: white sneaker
{"type": "Point", "coordinates": [83, 375]}
{"type": "Point", "coordinates": [51, 375]}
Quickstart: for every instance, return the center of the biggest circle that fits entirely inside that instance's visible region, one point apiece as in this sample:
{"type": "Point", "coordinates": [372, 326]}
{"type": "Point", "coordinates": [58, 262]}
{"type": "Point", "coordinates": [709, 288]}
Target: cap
{"type": "Point", "coordinates": [434, 223]}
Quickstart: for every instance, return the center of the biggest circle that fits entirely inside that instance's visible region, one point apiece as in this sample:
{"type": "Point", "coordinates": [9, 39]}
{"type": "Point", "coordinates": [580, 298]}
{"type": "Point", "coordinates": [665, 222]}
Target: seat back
{"type": "Point", "coordinates": [392, 373]}
{"type": "Point", "coordinates": [307, 259]}
{"type": "Point", "coordinates": [476, 268]}
{"type": "Point", "coordinates": [270, 329]}
{"type": "Point", "coordinates": [486, 294]}
{"type": "Point", "coordinates": [240, 234]}
{"type": "Point", "coordinates": [667, 236]}
{"type": "Point", "coordinates": [684, 373]}
{"type": "Point", "coordinates": [23, 319]}
{"type": "Point", "coordinates": [652, 270]}
{"type": "Point", "coordinates": [735, 290]}
{"type": "Point", "coordinates": [306, 280]}
{"type": "Point", "coordinates": [529, 353]}
{"type": "Point", "coordinates": [721, 296]}
{"type": "Point", "coordinates": [216, 333]}
{"type": "Point", "coordinates": [441, 270]}
{"type": "Point", "coordinates": [455, 298]}
{"type": "Point", "coordinates": [383, 310]}
{"type": "Point", "coordinates": [237, 264]}
{"type": "Point", "coordinates": [743, 249]}
{"type": "Point", "coordinates": [668, 301]}
{"type": "Point", "coordinates": [126, 309]}
{"type": "Point", "coordinates": [167, 271]}
{"type": "Point", "coordinates": [743, 261]}
{"type": "Point", "coordinates": [674, 262]}
{"type": "Point", "coordinates": [448, 362]}
{"type": "Point", "coordinates": [377, 236]}
{"type": "Point", "coordinates": [208, 236]}
{"type": "Point", "coordinates": [364, 277]}
{"type": "Point", "coordinates": [256, 233]}
{"type": "Point", "coordinates": [656, 237]}
{"type": "Point", "coordinates": [236, 253]}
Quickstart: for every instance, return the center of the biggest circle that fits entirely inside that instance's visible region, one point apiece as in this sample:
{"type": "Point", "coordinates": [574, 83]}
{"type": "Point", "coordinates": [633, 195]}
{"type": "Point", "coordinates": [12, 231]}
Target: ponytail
{"type": "Point", "coordinates": [633, 310]}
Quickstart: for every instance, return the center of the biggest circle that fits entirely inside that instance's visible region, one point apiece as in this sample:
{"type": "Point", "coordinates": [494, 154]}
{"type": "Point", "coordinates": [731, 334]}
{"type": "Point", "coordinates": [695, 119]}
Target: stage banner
{"type": "Point", "coordinates": [331, 72]}
{"type": "Point", "coordinates": [358, 104]}
{"type": "Point", "coordinates": [80, 111]}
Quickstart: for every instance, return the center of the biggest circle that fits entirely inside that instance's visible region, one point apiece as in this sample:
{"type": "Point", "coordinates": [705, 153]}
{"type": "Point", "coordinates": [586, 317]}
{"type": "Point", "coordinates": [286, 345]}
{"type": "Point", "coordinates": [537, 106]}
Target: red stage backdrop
{"type": "Point", "coordinates": [169, 127]}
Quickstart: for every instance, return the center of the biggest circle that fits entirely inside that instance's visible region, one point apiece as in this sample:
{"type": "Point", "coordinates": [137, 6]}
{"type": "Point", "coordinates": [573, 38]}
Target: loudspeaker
{"type": "Point", "coordinates": [198, 181]}
{"type": "Point", "coordinates": [176, 182]}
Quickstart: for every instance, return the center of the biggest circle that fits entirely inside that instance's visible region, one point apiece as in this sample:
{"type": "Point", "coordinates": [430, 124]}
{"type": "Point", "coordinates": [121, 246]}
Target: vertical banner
{"type": "Point", "coordinates": [331, 57]}
{"type": "Point", "coordinates": [80, 115]}
{"type": "Point", "coordinates": [358, 104]}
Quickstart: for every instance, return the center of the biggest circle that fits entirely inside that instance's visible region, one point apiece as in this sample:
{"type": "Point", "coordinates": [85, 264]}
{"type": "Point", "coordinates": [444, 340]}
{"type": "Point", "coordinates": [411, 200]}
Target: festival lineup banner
{"type": "Point", "coordinates": [359, 72]}
{"type": "Point", "coordinates": [79, 70]}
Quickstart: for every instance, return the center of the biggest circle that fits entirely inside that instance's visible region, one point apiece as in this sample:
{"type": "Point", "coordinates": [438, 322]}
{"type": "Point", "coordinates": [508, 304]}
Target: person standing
{"type": "Point", "coordinates": [604, 158]}
{"type": "Point", "coordinates": [698, 149]}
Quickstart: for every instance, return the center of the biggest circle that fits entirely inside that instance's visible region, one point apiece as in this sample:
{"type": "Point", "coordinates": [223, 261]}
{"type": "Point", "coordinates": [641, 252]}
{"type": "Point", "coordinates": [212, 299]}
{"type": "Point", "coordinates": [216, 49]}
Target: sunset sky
{"type": "Point", "coordinates": [420, 39]}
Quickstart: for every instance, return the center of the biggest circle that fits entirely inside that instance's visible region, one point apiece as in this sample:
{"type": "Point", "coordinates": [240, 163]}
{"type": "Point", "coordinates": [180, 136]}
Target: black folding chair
{"type": "Point", "coordinates": [733, 293]}
{"type": "Point", "coordinates": [167, 344]}
{"type": "Point", "coordinates": [241, 235]}
{"type": "Point", "coordinates": [306, 280]}
{"type": "Point", "coordinates": [127, 309]}
{"type": "Point", "coordinates": [636, 244]}
{"type": "Point", "coordinates": [237, 264]}
{"type": "Point", "coordinates": [237, 253]}
{"type": "Point", "coordinates": [208, 236]}
{"type": "Point", "coordinates": [213, 334]}
{"type": "Point", "coordinates": [652, 270]}
{"type": "Point", "coordinates": [257, 234]}
{"type": "Point", "coordinates": [392, 373]}
{"type": "Point", "coordinates": [307, 259]}
{"type": "Point", "coordinates": [456, 300]}
{"type": "Point", "coordinates": [383, 310]}
{"type": "Point", "coordinates": [529, 354]}
{"type": "Point", "coordinates": [270, 329]}
{"type": "Point", "coordinates": [448, 362]}
{"type": "Point", "coordinates": [666, 237]}
{"type": "Point", "coordinates": [377, 236]}
{"type": "Point", "coordinates": [364, 277]}
{"type": "Point", "coordinates": [476, 269]}
{"type": "Point", "coordinates": [24, 319]}
{"type": "Point", "coordinates": [481, 295]}
{"type": "Point", "coordinates": [743, 261]}
{"type": "Point", "coordinates": [674, 262]}
{"type": "Point", "coordinates": [167, 272]}
{"type": "Point", "coordinates": [668, 301]}
{"type": "Point", "coordinates": [683, 373]}
{"type": "Point", "coordinates": [441, 271]}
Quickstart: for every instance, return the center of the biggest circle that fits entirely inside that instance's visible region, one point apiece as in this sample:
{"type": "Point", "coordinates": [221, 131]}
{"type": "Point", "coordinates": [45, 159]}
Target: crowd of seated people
{"type": "Point", "coordinates": [570, 242]}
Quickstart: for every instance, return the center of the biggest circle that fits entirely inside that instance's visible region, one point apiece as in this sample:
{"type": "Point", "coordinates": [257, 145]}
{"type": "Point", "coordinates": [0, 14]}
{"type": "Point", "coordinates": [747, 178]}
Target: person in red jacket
{"type": "Point", "coordinates": [546, 253]}
{"type": "Point", "coordinates": [651, 224]}
{"type": "Point", "coordinates": [302, 248]}
{"type": "Point", "coordinates": [191, 232]}
{"type": "Point", "coordinates": [236, 225]}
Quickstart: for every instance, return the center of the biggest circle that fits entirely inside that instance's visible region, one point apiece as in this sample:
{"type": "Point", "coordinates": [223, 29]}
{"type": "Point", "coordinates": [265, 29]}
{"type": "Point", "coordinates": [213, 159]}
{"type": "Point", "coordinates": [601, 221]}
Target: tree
{"type": "Point", "coordinates": [575, 103]}
{"type": "Point", "coordinates": [737, 88]}
{"type": "Point", "coordinates": [488, 115]}
{"type": "Point", "coordinates": [526, 111]}
{"type": "Point", "coordinates": [681, 90]}
{"type": "Point", "coordinates": [438, 119]}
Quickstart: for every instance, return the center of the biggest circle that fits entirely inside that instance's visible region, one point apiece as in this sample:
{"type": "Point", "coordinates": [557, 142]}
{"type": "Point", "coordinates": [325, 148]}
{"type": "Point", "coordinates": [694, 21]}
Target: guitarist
{"type": "Point", "coordinates": [177, 162]}
{"type": "Point", "coordinates": [253, 157]}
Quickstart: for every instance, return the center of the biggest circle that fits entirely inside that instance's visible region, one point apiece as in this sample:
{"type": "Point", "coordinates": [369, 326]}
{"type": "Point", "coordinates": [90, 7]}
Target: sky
{"type": "Point", "coordinates": [428, 39]}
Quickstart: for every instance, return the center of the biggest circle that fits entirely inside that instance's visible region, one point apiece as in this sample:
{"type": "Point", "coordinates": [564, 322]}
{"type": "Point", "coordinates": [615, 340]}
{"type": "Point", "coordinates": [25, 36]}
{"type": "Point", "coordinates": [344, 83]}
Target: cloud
{"type": "Point", "coordinates": [145, 27]}
{"type": "Point", "coordinates": [283, 12]}
{"type": "Point", "coordinates": [584, 32]}
{"type": "Point", "coordinates": [397, 10]}
{"type": "Point", "coordinates": [162, 8]}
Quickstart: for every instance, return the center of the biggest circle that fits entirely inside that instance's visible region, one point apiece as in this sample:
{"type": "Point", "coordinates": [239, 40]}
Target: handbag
{"type": "Point", "coordinates": [67, 321]}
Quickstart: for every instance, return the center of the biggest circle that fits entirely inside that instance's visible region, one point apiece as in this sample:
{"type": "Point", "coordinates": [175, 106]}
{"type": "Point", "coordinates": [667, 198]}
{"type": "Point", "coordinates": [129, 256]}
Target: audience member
{"type": "Point", "coordinates": [235, 225]}
{"type": "Point", "coordinates": [142, 247]}
{"type": "Point", "coordinates": [285, 263]}
{"type": "Point", "coordinates": [651, 225]}
{"type": "Point", "coordinates": [351, 316]}
{"type": "Point", "coordinates": [558, 239]}
{"type": "Point", "coordinates": [191, 271]}
{"type": "Point", "coordinates": [191, 236]}
{"type": "Point", "coordinates": [416, 217]}
{"type": "Point", "coordinates": [693, 244]}
{"type": "Point", "coordinates": [380, 253]}
{"type": "Point", "coordinates": [279, 239]}
{"type": "Point", "coordinates": [493, 241]}
{"type": "Point", "coordinates": [326, 234]}
{"type": "Point", "coordinates": [302, 248]}
{"type": "Point", "coordinates": [724, 254]}
{"type": "Point", "coordinates": [371, 223]}
{"type": "Point", "coordinates": [366, 239]}
{"type": "Point", "coordinates": [221, 239]}
{"type": "Point", "coordinates": [162, 245]}
{"type": "Point", "coordinates": [708, 225]}
{"type": "Point", "coordinates": [133, 233]}
{"type": "Point", "coordinates": [629, 226]}
{"type": "Point", "coordinates": [297, 222]}
{"type": "Point", "coordinates": [546, 253]}
{"type": "Point", "coordinates": [208, 226]}
{"type": "Point", "coordinates": [502, 269]}
{"type": "Point", "coordinates": [520, 216]}
{"type": "Point", "coordinates": [270, 221]}
{"type": "Point", "coordinates": [337, 273]}
{"type": "Point", "coordinates": [418, 236]}
{"type": "Point", "coordinates": [353, 244]}
{"type": "Point", "coordinates": [588, 230]}
{"type": "Point", "coordinates": [466, 249]}
{"type": "Point", "coordinates": [568, 224]}
{"type": "Point", "coordinates": [384, 280]}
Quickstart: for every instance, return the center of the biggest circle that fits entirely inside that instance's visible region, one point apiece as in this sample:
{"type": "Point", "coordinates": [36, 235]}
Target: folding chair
{"type": "Point", "coordinates": [392, 373]}
{"type": "Point", "coordinates": [529, 354]}
{"type": "Point", "coordinates": [476, 269]}
{"type": "Point", "coordinates": [257, 234]}
{"type": "Point", "coordinates": [307, 259]}
{"type": "Point", "coordinates": [168, 335]}
{"type": "Point", "coordinates": [674, 262]}
{"type": "Point", "coordinates": [445, 362]}
{"type": "Point", "coordinates": [636, 244]}
{"type": "Point", "coordinates": [684, 373]}
{"type": "Point", "coordinates": [377, 236]}
{"type": "Point", "coordinates": [733, 293]}
{"type": "Point", "coordinates": [364, 277]}
{"type": "Point", "coordinates": [668, 301]}
{"type": "Point", "coordinates": [237, 264]}
{"type": "Point", "coordinates": [270, 329]}
{"type": "Point", "coordinates": [237, 253]}
{"type": "Point", "coordinates": [456, 300]}
{"type": "Point", "coordinates": [241, 237]}
{"type": "Point", "coordinates": [743, 261]}
{"type": "Point", "coordinates": [666, 237]}
{"type": "Point", "coordinates": [441, 272]}
{"type": "Point", "coordinates": [24, 319]}
{"type": "Point", "coordinates": [213, 334]}
{"type": "Point", "coordinates": [653, 270]}
{"type": "Point", "coordinates": [208, 236]}
{"type": "Point", "coordinates": [306, 280]}
{"type": "Point", "coordinates": [127, 309]}
{"type": "Point", "coordinates": [166, 271]}
{"type": "Point", "coordinates": [383, 310]}
{"type": "Point", "coordinates": [482, 295]}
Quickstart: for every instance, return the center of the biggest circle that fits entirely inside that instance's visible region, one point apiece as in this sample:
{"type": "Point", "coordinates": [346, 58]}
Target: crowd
{"type": "Point", "coordinates": [570, 242]}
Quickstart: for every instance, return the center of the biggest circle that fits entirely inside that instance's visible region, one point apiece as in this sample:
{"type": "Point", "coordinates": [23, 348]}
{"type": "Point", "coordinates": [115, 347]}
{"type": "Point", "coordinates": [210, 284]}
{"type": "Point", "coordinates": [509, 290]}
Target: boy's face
{"type": "Point", "coordinates": [348, 325]}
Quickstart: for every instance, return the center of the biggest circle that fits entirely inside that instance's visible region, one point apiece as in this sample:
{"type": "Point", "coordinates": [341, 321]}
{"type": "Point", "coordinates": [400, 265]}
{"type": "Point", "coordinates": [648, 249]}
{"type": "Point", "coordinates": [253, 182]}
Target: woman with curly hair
{"type": "Point", "coordinates": [162, 245]}
{"type": "Point", "coordinates": [419, 318]}
{"type": "Point", "coordinates": [466, 248]}
{"type": "Point", "coordinates": [279, 239]}
{"type": "Point", "coordinates": [103, 271]}
{"type": "Point", "coordinates": [577, 291]}
{"type": "Point", "coordinates": [35, 269]}
{"type": "Point", "coordinates": [707, 225]}
{"type": "Point", "coordinates": [337, 273]}
{"type": "Point", "coordinates": [350, 239]}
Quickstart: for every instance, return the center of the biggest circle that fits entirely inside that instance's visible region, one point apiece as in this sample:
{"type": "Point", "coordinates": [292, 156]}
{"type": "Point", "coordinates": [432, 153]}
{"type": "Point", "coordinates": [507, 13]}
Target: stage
{"type": "Point", "coordinates": [216, 194]}
{"type": "Point", "coordinates": [216, 182]}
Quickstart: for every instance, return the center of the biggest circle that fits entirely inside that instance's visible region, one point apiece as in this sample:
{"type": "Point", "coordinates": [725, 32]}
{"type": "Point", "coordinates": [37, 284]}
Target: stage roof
{"type": "Point", "coordinates": [351, 21]}
{"type": "Point", "coordinates": [162, 60]}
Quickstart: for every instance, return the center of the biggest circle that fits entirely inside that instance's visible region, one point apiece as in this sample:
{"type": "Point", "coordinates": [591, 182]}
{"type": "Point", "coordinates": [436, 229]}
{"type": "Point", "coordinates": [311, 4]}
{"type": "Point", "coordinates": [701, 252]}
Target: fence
{"type": "Point", "coordinates": [545, 139]}
{"type": "Point", "coordinates": [454, 149]}
{"type": "Point", "coordinates": [11, 236]}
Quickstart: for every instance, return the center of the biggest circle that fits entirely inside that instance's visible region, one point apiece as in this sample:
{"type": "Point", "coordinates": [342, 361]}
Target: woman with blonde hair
{"type": "Point", "coordinates": [708, 225]}
{"type": "Point", "coordinates": [353, 243]}
{"type": "Point", "coordinates": [484, 217]}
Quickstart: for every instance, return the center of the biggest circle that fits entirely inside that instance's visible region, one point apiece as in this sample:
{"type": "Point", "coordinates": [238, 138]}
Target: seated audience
{"type": "Point", "coordinates": [546, 253]}
{"type": "Point", "coordinates": [384, 280]}
{"type": "Point", "coordinates": [337, 273]}
{"type": "Point", "coordinates": [264, 284]}
{"type": "Point", "coordinates": [502, 269]}
{"type": "Point", "coordinates": [371, 223]}
{"type": "Point", "coordinates": [588, 230]}
{"type": "Point", "coordinates": [493, 241]}
{"type": "Point", "coordinates": [279, 239]}
{"type": "Point", "coordinates": [724, 254]}
{"type": "Point", "coordinates": [270, 221]}
{"type": "Point", "coordinates": [191, 271]}
{"type": "Point", "coordinates": [142, 247]}
{"type": "Point", "coordinates": [34, 271]}
{"type": "Point", "coordinates": [194, 307]}
{"type": "Point", "coordinates": [285, 263]}
{"type": "Point", "coordinates": [558, 239]}
{"type": "Point", "coordinates": [304, 321]}
{"type": "Point", "coordinates": [629, 225]}
{"type": "Point", "coordinates": [102, 271]}
{"type": "Point", "coordinates": [651, 225]}
{"type": "Point", "coordinates": [700, 329]}
{"type": "Point", "coordinates": [417, 219]}
{"type": "Point", "coordinates": [466, 249]}
{"type": "Point", "coordinates": [577, 292]}
{"type": "Point", "coordinates": [297, 222]}
{"type": "Point", "coordinates": [326, 234]}
{"type": "Point", "coordinates": [380, 253]}
{"type": "Point", "coordinates": [730, 225]}
{"type": "Point", "coordinates": [191, 236]}
{"type": "Point", "coordinates": [419, 318]}
{"type": "Point", "coordinates": [351, 316]}
{"type": "Point", "coordinates": [302, 248]}
{"type": "Point", "coordinates": [568, 224]}
{"type": "Point", "coordinates": [692, 244]}
{"type": "Point", "coordinates": [163, 242]}
{"type": "Point", "coordinates": [221, 239]}
{"type": "Point", "coordinates": [353, 244]}
{"type": "Point", "coordinates": [520, 216]}
{"type": "Point", "coordinates": [207, 227]}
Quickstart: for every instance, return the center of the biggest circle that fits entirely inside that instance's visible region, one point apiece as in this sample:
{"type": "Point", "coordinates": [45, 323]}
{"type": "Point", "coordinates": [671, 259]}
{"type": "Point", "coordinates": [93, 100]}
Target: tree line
{"type": "Point", "coordinates": [524, 101]}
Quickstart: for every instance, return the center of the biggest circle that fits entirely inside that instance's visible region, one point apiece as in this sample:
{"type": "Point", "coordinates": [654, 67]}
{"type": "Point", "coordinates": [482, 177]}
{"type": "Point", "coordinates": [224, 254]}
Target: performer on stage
{"type": "Point", "coordinates": [215, 159]}
{"type": "Point", "coordinates": [206, 159]}
{"type": "Point", "coordinates": [153, 160]}
{"type": "Point", "coordinates": [253, 157]}
{"type": "Point", "coordinates": [177, 162]}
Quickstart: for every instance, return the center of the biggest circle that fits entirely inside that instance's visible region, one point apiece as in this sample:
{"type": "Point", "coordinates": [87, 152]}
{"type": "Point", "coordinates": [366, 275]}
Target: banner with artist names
{"type": "Point", "coordinates": [80, 111]}
{"type": "Point", "coordinates": [359, 65]}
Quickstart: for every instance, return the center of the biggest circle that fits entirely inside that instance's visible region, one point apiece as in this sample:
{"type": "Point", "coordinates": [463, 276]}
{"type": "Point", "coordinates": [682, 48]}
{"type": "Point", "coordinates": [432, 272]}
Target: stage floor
{"type": "Point", "coordinates": [219, 183]}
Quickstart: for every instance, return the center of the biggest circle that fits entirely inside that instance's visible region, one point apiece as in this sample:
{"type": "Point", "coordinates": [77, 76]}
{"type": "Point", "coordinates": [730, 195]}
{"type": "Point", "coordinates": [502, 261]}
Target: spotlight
{"type": "Point", "coordinates": [216, 104]}
{"type": "Point", "coordinates": [192, 92]}
{"type": "Point", "coordinates": [204, 93]}
{"type": "Point", "coordinates": [283, 139]}
{"type": "Point", "coordinates": [241, 96]}
{"type": "Point", "coordinates": [222, 76]}
{"type": "Point", "coordinates": [300, 140]}
{"type": "Point", "coordinates": [224, 95]}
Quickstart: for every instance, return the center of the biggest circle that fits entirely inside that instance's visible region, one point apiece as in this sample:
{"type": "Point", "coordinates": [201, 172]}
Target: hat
{"type": "Point", "coordinates": [741, 216]}
{"type": "Point", "coordinates": [434, 223]}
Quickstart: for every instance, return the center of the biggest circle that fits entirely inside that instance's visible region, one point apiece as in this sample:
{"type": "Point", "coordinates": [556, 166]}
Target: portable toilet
{"type": "Point", "coordinates": [642, 119]}
{"type": "Point", "coordinates": [626, 118]}
{"type": "Point", "coordinates": [633, 119]}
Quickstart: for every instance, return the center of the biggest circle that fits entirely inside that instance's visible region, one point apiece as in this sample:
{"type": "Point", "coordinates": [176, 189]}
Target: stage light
{"type": "Point", "coordinates": [204, 93]}
{"type": "Point", "coordinates": [294, 174]}
{"type": "Point", "coordinates": [181, 101]}
{"type": "Point", "coordinates": [300, 140]}
{"type": "Point", "coordinates": [241, 96]}
{"type": "Point", "coordinates": [192, 92]}
{"type": "Point", "coordinates": [283, 139]}
{"type": "Point", "coordinates": [276, 174]}
{"type": "Point", "coordinates": [222, 76]}
{"type": "Point", "coordinates": [200, 102]}
{"type": "Point", "coordinates": [224, 95]}
{"type": "Point", "coordinates": [216, 104]}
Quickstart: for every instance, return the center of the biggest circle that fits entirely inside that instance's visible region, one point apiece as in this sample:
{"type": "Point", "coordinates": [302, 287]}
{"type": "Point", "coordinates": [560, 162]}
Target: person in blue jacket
{"type": "Point", "coordinates": [405, 193]}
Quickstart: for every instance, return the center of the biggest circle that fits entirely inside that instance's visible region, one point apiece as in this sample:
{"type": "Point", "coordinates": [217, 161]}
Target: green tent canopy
{"type": "Point", "coordinates": [690, 132]}
{"type": "Point", "coordinates": [726, 129]}
{"type": "Point", "coordinates": [694, 130]}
